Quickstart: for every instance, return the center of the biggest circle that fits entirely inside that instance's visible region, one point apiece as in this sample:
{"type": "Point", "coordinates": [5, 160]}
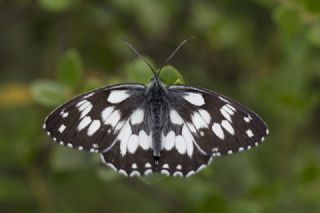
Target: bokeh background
{"type": "Point", "coordinates": [264, 53]}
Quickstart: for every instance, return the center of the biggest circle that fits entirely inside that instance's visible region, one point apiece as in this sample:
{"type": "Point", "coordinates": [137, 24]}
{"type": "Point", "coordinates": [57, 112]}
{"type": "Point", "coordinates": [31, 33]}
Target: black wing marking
{"type": "Point", "coordinates": [92, 121]}
{"type": "Point", "coordinates": [219, 125]}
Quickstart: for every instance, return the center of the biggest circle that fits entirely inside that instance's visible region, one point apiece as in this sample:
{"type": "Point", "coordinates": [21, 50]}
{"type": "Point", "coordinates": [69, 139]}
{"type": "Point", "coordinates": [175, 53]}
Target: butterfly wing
{"type": "Point", "coordinates": [203, 124]}
{"type": "Point", "coordinates": [93, 120]}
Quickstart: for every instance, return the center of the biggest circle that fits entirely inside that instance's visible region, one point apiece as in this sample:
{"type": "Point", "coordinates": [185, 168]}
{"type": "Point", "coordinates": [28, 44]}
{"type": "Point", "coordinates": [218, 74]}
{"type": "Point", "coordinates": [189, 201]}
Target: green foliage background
{"type": "Point", "coordinates": [264, 53]}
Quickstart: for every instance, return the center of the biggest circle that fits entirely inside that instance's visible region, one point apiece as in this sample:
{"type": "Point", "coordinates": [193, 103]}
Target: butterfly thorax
{"type": "Point", "coordinates": [158, 107]}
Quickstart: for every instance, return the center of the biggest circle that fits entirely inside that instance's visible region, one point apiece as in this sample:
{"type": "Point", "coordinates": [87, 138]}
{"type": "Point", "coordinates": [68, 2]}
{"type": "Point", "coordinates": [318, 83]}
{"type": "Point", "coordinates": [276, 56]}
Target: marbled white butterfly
{"type": "Point", "coordinates": [142, 129]}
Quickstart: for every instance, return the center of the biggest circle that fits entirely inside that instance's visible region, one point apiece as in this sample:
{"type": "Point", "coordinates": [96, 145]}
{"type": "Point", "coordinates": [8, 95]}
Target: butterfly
{"type": "Point", "coordinates": [140, 129]}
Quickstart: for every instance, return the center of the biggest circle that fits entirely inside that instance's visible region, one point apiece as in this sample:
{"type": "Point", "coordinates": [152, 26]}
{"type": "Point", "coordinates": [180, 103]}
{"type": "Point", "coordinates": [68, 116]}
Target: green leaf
{"type": "Point", "coordinates": [70, 68]}
{"type": "Point", "coordinates": [48, 93]}
{"type": "Point", "coordinates": [153, 178]}
{"type": "Point", "coordinates": [170, 75]}
{"type": "Point", "coordinates": [314, 35]}
{"type": "Point", "coordinates": [287, 19]}
{"type": "Point", "coordinates": [312, 5]}
{"type": "Point", "coordinates": [13, 189]}
{"type": "Point", "coordinates": [138, 71]}
{"type": "Point", "coordinates": [55, 5]}
{"type": "Point", "coordinates": [107, 175]}
{"type": "Point", "coordinates": [65, 159]}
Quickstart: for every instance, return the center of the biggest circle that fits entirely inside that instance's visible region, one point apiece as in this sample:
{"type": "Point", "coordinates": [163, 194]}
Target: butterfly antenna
{"type": "Point", "coordinates": [174, 52]}
{"type": "Point", "coordinates": [136, 52]}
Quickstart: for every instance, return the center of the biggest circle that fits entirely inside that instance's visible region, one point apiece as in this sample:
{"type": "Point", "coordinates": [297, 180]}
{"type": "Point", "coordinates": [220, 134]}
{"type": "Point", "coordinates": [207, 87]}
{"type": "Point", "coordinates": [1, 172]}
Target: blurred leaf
{"type": "Point", "coordinates": [48, 93]}
{"type": "Point", "coordinates": [138, 71]}
{"type": "Point", "coordinates": [314, 34]}
{"type": "Point", "coordinates": [13, 189]}
{"type": "Point", "coordinates": [312, 5]}
{"type": "Point", "coordinates": [246, 206]}
{"type": "Point", "coordinates": [287, 19]}
{"type": "Point", "coordinates": [107, 174]}
{"type": "Point", "coordinates": [153, 178]}
{"type": "Point", "coordinates": [55, 5]}
{"type": "Point", "coordinates": [66, 159]}
{"type": "Point", "coordinates": [70, 68]}
{"type": "Point", "coordinates": [170, 75]}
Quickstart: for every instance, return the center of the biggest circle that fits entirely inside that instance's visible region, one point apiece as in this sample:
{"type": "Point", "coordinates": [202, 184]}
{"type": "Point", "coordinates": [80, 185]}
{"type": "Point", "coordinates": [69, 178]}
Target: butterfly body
{"type": "Point", "coordinates": [170, 129]}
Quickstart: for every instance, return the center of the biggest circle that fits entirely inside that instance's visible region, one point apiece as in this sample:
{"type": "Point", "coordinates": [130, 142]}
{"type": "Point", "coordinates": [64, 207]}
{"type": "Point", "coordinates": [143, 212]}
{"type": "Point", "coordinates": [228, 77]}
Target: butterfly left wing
{"type": "Point", "coordinates": [203, 124]}
{"type": "Point", "coordinates": [92, 121]}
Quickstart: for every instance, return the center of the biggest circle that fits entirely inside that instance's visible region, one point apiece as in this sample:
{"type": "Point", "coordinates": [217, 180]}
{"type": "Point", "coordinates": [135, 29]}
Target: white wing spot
{"type": "Point", "coordinates": [62, 128]}
{"type": "Point", "coordinates": [88, 95]}
{"type": "Point", "coordinates": [191, 127]}
{"type": "Point", "coordinates": [246, 119]}
{"type": "Point", "coordinates": [201, 167]}
{"type": "Point", "coordinates": [117, 96]}
{"type": "Point", "coordinates": [137, 116]}
{"type": "Point", "coordinates": [148, 172]}
{"type": "Point", "coordinates": [134, 166]}
{"type": "Point", "coordinates": [121, 171]}
{"type": "Point", "coordinates": [106, 113]}
{"type": "Point", "coordinates": [190, 173]}
{"type": "Point", "coordinates": [144, 140]}
{"type": "Point", "coordinates": [93, 128]}
{"type": "Point", "coordinates": [249, 133]}
{"type": "Point", "coordinates": [228, 109]}
{"type": "Point", "coordinates": [61, 143]}
{"type": "Point", "coordinates": [188, 138]}
{"type": "Point", "coordinates": [223, 99]}
{"type": "Point", "coordinates": [70, 145]}
{"type": "Point", "coordinates": [177, 174]}
{"type": "Point", "coordinates": [134, 173]}
{"type": "Point", "coordinates": [175, 117]}
{"type": "Point", "coordinates": [231, 107]}
{"type": "Point", "coordinates": [147, 165]}
{"type": "Point", "coordinates": [112, 166]}
{"type": "Point", "coordinates": [229, 152]}
{"type": "Point", "coordinates": [241, 149]}
{"type": "Point", "coordinates": [198, 121]}
{"type": "Point", "coordinates": [84, 123]}
{"type": "Point", "coordinates": [180, 144]}
{"type": "Point", "coordinates": [123, 137]}
{"type": "Point", "coordinates": [194, 98]}
{"type": "Point", "coordinates": [227, 126]}
{"type": "Point", "coordinates": [217, 130]}
{"type": "Point", "coordinates": [165, 166]}
{"type": "Point", "coordinates": [133, 143]}
{"type": "Point", "coordinates": [86, 110]}
{"type": "Point", "coordinates": [168, 142]}
{"type": "Point", "coordinates": [164, 172]}
{"type": "Point", "coordinates": [205, 115]}
{"type": "Point", "coordinates": [65, 114]}
{"type": "Point", "coordinates": [225, 113]}
{"type": "Point", "coordinates": [113, 118]}
{"type": "Point", "coordinates": [179, 167]}
{"type": "Point", "coordinates": [80, 148]}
